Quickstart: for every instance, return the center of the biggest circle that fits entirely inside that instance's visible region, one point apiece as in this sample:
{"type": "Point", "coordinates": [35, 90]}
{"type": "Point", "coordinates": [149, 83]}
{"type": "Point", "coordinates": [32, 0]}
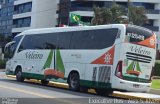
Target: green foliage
{"type": "Point", "coordinates": [2, 64]}
{"type": "Point", "coordinates": [137, 15]}
{"type": "Point", "coordinates": [156, 84]}
{"type": "Point", "coordinates": [157, 69]}
{"type": "Point", "coordinates": [108, 15]}
{"type": "Point", "coordinates": [118, 14]}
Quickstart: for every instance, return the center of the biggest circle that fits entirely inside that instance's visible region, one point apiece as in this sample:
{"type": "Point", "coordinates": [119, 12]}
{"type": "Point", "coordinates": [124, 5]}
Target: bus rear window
{"type": "Point", "coordinates": [137, 34]}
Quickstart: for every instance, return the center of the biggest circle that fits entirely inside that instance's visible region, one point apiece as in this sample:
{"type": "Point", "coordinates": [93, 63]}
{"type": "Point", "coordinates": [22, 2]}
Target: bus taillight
{"type": "Point", "coordinates": [118, 72]}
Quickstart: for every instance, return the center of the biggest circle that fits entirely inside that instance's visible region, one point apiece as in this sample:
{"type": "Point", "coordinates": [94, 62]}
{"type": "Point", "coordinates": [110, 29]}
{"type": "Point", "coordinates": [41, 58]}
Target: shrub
{"type": "Point", "coordinates": [157, 68]}
{"type": "Point", "coordinates": [2, 64]}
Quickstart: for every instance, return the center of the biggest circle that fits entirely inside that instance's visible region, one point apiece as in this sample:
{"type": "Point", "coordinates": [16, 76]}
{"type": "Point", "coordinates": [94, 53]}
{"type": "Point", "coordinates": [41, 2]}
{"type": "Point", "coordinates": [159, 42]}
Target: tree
{"type": "Point", "coordinates": [116, 14]}
{"type": "Point", "coordinates": [108, 15]}
{"type": "Point", "coordinates": [4, 40]}
{"type": "Point", "coordinates": [137, 15]}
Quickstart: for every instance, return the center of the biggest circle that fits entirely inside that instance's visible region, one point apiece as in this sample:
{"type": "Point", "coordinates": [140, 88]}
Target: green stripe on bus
{"type": "Point", "coordinates": [34, 76]}
{"type": "Point", "coordinates": [134, 79]}
{"type": "Point", "coordinates": [94, 84]}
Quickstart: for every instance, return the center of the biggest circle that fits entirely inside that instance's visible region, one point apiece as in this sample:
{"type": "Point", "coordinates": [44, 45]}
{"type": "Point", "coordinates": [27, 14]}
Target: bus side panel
{"type": "Point", "coordinates": [34, 63]}
{"type": "Point", "coordinates": [98, 70]}
{"type": "Point", "coordinates": [17, 60]}
{"type": "Point", "coordinates": [75, 60]}
{"type": "Point", "coordinates": [97, 76]}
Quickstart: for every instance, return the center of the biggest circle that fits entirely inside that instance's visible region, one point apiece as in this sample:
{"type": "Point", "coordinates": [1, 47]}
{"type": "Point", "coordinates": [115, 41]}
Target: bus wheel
{"type": "Point", "coordinates": [74, 81]}
{"type": "Point", "coordinates": [103, 92]}
{"type": "Point", "coordinates": [19, 76]}
{"type": "Point", "coordinates": [44, 82]}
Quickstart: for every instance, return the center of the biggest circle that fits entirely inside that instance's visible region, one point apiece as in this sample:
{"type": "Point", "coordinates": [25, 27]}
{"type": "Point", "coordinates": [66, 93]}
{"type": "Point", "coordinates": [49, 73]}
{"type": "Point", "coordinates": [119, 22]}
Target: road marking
{"type": "Point", "coordinates": [93, 91]}
{"type": "Point", "coordinates": [26, 92]}
{"type": "Point", "coordinates": [37, 94]}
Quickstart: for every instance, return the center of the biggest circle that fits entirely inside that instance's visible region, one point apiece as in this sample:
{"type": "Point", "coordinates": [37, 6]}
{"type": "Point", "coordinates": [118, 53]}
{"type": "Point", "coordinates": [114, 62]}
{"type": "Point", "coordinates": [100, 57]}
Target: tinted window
{"type": "Point", "coordinates": [17, 40]}
{"type": "Point", "coordinates": [64, 40]}
{"type": "Point", "coordinates": [47, 41]}
{"type": "Point", "coordinates": [12, 48]}
{"type": "Point", "coordinates": [79, 39]}
{"type": "Point", "coordinates": [135, 34]}
{"type": "Point", "coordinates": [42, 41]}
{"type": "Point", "coordinates": [88, 39]}
{"type": "Point", "coordinates": [94, 39]}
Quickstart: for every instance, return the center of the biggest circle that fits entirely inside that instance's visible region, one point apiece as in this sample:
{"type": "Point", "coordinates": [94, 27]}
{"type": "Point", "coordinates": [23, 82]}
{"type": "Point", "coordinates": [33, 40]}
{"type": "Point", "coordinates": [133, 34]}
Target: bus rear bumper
{"type": "Point", "coordinates": [124, 85]}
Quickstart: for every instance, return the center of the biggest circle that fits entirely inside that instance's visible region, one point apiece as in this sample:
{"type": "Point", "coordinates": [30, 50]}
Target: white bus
{"type": "Point", "coordinates": [106, 58]}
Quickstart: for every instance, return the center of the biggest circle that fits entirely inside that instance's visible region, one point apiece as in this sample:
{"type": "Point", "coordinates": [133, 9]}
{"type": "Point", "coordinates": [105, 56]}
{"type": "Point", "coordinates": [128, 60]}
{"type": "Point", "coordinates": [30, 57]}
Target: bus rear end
{"type": "Point", "coordinates": [134, 69]}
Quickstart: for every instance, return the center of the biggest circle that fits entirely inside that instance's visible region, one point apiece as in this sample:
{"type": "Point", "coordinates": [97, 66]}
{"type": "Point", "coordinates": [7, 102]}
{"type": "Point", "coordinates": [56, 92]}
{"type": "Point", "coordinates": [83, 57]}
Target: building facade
{"type": "Point", "coordinates": [19, 15]}
{"type": "Point", "coordinates": [31, 14]}
{"type": "Point", "coordinates": [6, 15]}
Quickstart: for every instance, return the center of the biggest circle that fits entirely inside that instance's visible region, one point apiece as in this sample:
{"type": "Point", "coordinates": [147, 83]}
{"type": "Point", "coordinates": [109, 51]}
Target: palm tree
{"type": "Point", "coordinates": [137, 15]}
{"type": "Point", "coordinates": [108, 15]}
{"type": "Point", "coordinates": [115, 14]}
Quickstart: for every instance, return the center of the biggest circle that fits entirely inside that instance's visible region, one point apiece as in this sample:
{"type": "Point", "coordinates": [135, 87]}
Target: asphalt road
{"type": "Point", "coordinates": [13, 92]}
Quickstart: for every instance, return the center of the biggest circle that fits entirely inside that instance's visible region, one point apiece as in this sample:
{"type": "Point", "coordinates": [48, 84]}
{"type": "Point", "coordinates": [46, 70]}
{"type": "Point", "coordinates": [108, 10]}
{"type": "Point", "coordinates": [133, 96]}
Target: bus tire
{"type": "Point", "coordinates": [74, 84]}
{"type": "Point", "coordinates": [19, 76]}
{"type": "Point", "coordinates": [44, 82]}
{"type": "Point", "coordinates": [103, 92]}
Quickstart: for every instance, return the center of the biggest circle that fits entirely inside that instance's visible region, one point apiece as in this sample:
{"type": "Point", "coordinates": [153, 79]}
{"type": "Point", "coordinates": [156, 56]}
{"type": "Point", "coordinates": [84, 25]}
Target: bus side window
{"type": "Point", "coordinates": [78, 40]}
{"type": "Point", "coordinates": [64, 40]}
{"type": "Point", "coordinates": [49, 46]}
{"type": "Point", "coordinates": [20, 48]}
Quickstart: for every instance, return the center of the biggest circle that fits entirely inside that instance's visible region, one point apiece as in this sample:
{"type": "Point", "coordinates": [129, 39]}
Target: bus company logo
{"type": "Point", "coordinates": [152, 42]}
{"type": "Point", "coordinates": [33, 55]}
{"type": "Point", "coordinates": [107, 58]}
{"type": "Point", "coordinates": [140, 50]}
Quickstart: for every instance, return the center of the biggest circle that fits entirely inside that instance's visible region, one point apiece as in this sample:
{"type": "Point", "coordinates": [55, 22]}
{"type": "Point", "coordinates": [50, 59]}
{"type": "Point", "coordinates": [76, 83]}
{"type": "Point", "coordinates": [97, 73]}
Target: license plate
{"type": "Point", "coordinates": [136, 85]}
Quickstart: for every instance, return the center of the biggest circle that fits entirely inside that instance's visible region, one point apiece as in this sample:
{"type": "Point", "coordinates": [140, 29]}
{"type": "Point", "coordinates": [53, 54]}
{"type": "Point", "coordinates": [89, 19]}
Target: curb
{"type": "Point", "coordinates": [115, 94]}
{"type": "Point", "coordinates": [154, 91]}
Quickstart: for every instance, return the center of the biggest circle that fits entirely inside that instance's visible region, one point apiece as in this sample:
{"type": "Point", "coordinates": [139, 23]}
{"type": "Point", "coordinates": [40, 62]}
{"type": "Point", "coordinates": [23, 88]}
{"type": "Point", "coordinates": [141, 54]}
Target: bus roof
{"type": "Point", "coordinates": [74, 28]}
{"type": "Point", "coordinates": [65, 29]}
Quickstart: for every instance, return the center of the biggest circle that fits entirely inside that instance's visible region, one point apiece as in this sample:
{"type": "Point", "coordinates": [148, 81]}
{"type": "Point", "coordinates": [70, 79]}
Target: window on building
{"type": "Point", "coordinates": [22, 22]}
{"type": "Point", "coordinates": [23, 8]}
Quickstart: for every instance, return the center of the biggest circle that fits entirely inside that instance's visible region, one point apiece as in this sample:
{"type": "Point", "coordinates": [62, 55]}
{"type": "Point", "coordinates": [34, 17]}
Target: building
{"type": "Point", "coordinates": [31, 14]}
{"type": "Point", "coordinates": [84, 8]}
{"type": "Point", "coordinates": [19, 15]}
{"type": "Point", "coordinates": [6, 15]}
